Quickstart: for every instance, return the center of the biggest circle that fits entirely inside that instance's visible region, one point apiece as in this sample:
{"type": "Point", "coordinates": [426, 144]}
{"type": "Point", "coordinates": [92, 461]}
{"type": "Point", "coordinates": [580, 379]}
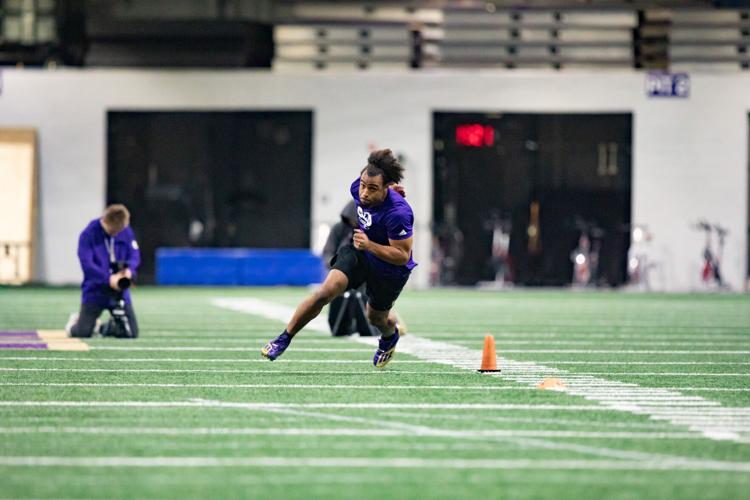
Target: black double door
{"type": "Point", "coordinates": [212, 179]}
{"type": "Point", "coordinates": [548, 177]}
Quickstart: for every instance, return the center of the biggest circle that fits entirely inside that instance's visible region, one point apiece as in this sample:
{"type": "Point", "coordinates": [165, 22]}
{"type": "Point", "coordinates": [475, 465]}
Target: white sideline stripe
{"type": "Point", "coordinates": [375, 463]}
{"type": "Point", "coordinates": [652, 399]}
{"type": "Point", "coordinates": [731, 416]}
{"type": "Point", "coordinates": [710, 389]}
{"type": "Point", "coordinates": [265, 386]}
{"type": "Point", "coordinates": [576, 334]}
{"type": "Point", "coordinates": [303, 360]}
{"type": "Point", "coordinates": [655, 426]}
{"type": "Point", "coordinates": [267, 406]}
{"type": "Point", "coordinates": [462, 357]}
{"type": "Point", "coordinates": [245, 341]}
{"type": "Point", "coordinates": [241, 339]}
{"type": "Point", "coordinates": [338, 431]}
{"type": "Point", "coordinates": [241, 336]}
{"type": "Point", "coordinates": [205, 360]}
{"type": "Point", "coordinates": [695, 321]}
{"type": "Point", "coordinates": [323, 349]}
{"type": "Point", "coordinates": [615, 393]}
{"type": "Point", "coordinates": [341, 372]}
{"type": "Point", "coordinates": [664, 374]}
{"type": "Point", "coordinates": [378, 373]}
{"type": "Point", "coordinates": [635, 399]}
{"type": "Point", "coordinates": [643, 399]}
{"type": "Point", "coordinates": [735, 421]}
{"type": "Point", "coordinates": [605, 342]}
{"type": "Point", "coordinates": [271, 310]}
{"type": "Point", "coordinates": [209, 339]}
{"type": "Point", "coordinates": [616, 351]}
{"type": "Point", "coordinates": [600, 451]}
{"type": "Point", "coordinates": [655, 363]}
{"type": "Point", "coordinates": [220, 349]}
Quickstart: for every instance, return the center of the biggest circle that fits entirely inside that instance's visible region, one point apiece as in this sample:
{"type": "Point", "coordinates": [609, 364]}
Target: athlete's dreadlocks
{"type": "Point", "coordinates": [382, 162]}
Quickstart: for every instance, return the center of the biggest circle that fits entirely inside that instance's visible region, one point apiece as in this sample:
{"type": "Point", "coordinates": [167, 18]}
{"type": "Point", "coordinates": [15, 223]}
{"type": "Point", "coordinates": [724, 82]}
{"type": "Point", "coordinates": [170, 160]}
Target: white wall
{"type": "Point", "coordinates": [690, 157]}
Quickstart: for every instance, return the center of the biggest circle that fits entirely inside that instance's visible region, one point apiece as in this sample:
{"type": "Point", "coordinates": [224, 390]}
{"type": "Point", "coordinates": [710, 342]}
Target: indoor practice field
{"type": "Point", "coordinates": [656, 402]}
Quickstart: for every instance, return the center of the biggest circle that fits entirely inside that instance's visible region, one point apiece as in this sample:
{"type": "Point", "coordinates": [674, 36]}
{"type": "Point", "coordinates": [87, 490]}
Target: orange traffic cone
{"type": "Point", "coordinates": [489, 361]}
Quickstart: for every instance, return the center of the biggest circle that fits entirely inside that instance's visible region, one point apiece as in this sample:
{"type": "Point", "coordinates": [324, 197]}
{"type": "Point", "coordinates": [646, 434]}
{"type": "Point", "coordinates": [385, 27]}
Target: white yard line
{"type": "Point", "coordinates": [344, 463]}
{"type": "Point", "coordinates": [241, 360]}
{"type": "Point", "coordinates": [241, 339]}
{"type": "Point", "coordinates": [334, 361]}
{"type": "Point", "coordinates": [743, 343]}
{"type": "Point", "coordinates": [270, 386]}
{"type": "Point", "coordinates": [523, 441]}
{"type": "Point", "coordinates": [307, 360]}
{"type": "Point", "coordinates": [554, 322]}
{"type": "Point", "coordinates": [621, 351]}
{"type": "Point", "coordinates": [271, 310]}
{"type": "Point", "coordinates": [650, 398]}
{"type": "Point", "coordinates": [579, 335]}
{"type": "Point", "coordinates": [512, 351]}
{"type": "Point", "coordinates": [618, 392]}
{"type": "Point", "coordinates": [241, 371]}
{"type": "Point", "coordinates": [341, 372]}
{"type": "Point", "coordinates": [261, 336]}
{"type": "Point", "coordinates": [667, 374]}
{"type": "Point", "coordinates": [673, 405]}
{"type": "Point", "coordinates": [692, 414]}
{"type": "Point", "coordinates": [654, 363]}
{"type": "Point", "coordinates": [216, 349]}
{"type": "Point", "coordinates": [343, 431]}
{"type": "Point", "coordinates": [443, 416]}
{"type": "Point", "coordinates": [342, 406]}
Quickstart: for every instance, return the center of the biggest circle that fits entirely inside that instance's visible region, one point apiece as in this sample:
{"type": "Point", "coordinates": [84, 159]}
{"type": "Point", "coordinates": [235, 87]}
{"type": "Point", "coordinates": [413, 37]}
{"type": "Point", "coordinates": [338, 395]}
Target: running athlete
{"type": "Point", "coordinates": [380, 256]}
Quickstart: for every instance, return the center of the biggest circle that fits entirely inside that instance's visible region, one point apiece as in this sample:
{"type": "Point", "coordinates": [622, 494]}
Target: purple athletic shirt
{"type": "Point", "coordinates": [393, 219]}
{"type": "Point", "coordinates": [94, 257]}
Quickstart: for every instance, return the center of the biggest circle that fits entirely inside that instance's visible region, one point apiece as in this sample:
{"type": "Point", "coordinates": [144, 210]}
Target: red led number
{"type": "Point", "coordinates": [475, 135]}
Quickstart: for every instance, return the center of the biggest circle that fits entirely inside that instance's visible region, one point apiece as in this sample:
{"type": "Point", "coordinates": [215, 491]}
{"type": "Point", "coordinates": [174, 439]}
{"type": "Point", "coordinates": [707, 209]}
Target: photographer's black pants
{"type": "Point", "coordinates": [90, 313]}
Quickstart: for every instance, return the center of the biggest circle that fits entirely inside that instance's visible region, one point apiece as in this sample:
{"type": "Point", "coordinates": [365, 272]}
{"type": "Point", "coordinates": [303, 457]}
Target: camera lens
{"type": "Point", "coordinates": [123, 283]}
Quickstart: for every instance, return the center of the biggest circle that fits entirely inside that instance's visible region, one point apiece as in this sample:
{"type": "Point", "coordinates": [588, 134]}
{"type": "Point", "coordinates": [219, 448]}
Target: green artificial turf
{"type": "Point", "coordinates": [191, 410]}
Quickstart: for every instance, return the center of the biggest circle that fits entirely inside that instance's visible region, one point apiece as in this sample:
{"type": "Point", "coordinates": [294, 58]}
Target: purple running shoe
{"type": "Point", "coordinates": [276, 347]}
{"type": "Point", "coordinates": [386, 348]}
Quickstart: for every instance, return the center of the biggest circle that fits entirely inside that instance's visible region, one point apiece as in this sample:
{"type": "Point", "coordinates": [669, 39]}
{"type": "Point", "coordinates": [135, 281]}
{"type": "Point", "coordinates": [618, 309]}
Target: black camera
{"type": "Point", "coordinates": [119, 324]}
{"type": "Point", "coordinates": [115, 267]}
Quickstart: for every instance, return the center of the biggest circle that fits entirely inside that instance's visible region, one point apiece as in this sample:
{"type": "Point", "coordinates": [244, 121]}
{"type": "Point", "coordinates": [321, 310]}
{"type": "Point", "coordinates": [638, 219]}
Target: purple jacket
{"type": "Point", "coordinates": [94, 257]}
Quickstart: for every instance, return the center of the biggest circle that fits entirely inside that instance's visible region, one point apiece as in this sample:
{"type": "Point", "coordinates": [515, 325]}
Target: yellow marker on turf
{"type": "Point", "coordinates": [58, 340]}
{"type": "Point", "coordinates": [53, 334]}
{"type": "Point", "coordinates": [72, 345]}
{"type": "Point", "coordinates": [552, 384]}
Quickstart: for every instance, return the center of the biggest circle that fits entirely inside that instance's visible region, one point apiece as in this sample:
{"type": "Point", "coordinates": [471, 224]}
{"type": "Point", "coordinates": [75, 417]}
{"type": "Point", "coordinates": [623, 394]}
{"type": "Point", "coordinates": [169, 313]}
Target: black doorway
{"type": "Point", "coordinates": [211, 179]}
{"type": "Point", "coordinates": [550, 176]}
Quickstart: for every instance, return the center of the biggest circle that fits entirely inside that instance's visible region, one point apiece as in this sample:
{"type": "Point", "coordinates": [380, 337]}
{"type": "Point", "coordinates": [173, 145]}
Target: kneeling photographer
{"type": "Point", "coordinates": [109, 257]}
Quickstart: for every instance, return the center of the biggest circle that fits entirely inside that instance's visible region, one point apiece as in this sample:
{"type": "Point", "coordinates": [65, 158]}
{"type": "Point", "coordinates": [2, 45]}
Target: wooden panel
{"type": "Point", "coordinates": [17, 204]}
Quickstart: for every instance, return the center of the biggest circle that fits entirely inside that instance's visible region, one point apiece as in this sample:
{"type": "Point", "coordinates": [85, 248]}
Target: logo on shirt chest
{"type": "Point", "coordinates": [365, 218]}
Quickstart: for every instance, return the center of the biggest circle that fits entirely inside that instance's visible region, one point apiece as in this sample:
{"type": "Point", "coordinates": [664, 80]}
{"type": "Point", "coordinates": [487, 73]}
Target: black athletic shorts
{"type": "Point", "coordinates": [382, 291]}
